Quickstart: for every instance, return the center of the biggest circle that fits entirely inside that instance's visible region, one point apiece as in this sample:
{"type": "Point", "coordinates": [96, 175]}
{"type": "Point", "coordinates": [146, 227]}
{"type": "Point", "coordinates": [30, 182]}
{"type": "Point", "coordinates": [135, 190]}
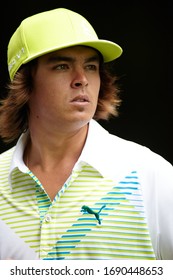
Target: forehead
{"type": "Point", "coordinates": [75, 51]}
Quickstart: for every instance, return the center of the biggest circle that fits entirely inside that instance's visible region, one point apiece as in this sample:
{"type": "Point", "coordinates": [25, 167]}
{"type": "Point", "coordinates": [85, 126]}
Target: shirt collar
{"type": "Point", "coordinates": [17, 158]}
{"type": "Point", "coordinates": [94, 152]}
{"type": "Point", "coordinates": [107, 152]}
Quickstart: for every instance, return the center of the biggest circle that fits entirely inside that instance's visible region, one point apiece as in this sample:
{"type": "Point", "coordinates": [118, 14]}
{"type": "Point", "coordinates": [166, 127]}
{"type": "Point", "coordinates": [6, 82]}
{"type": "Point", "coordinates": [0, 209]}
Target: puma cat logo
{"type": "Point", "coordinates": [86, 209]}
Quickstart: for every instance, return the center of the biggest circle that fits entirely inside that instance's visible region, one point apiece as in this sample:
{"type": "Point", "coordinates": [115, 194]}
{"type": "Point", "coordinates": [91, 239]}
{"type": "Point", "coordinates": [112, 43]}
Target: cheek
{"type": "Point", "coordinates": [45, 89]}
{"type": "Point", "coordinates": [96, 87]}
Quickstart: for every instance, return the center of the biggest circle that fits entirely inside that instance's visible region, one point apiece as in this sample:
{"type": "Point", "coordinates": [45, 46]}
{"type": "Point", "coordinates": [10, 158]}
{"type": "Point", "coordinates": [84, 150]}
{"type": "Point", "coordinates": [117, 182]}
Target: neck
{"type": "Point", "coordinates": [47, 150]}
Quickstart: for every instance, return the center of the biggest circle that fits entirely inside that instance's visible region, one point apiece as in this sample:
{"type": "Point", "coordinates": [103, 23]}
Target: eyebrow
{"type": "Point", "coordinates": [58, 58]}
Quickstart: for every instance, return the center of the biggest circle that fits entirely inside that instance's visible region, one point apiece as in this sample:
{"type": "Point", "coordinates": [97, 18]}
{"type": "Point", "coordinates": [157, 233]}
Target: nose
{"type": "Point", "coordinates": [79, 80]}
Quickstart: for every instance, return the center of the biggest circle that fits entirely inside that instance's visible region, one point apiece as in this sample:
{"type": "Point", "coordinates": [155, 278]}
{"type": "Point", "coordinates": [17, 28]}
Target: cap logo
{"type": "Point", "coordinates": [17, 57]}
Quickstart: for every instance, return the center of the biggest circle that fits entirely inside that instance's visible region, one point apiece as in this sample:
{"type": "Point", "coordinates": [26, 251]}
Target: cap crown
{"type": "Point", "coordinates": [52, 30]}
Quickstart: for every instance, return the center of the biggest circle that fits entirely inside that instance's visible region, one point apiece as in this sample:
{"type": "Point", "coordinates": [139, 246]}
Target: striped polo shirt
{"type": "Point", "coordinates": [99, 213]}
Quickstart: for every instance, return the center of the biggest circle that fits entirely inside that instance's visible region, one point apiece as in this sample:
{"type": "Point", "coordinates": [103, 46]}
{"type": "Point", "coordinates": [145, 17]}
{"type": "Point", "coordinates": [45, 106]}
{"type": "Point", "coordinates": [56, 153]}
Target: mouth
{"type": "Point", "coordinates": [80, 99]}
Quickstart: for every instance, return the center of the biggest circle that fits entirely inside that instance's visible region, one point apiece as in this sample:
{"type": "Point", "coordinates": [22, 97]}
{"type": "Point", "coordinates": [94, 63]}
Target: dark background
{"type": "Point", "coordinates": [144, 31]}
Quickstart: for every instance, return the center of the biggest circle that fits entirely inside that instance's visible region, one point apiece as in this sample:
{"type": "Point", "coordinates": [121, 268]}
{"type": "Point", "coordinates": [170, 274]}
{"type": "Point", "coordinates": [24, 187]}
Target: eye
{"type": "Point", "coordinates": [92, 67]}
{"type": "Point", "coordinates": [61, 67]}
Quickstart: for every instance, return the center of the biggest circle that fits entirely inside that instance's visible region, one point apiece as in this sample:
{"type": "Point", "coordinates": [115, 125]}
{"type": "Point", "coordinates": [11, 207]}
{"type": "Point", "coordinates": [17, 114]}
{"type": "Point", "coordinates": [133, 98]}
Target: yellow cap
{"type": "Point", "coordinates": [53, 30]}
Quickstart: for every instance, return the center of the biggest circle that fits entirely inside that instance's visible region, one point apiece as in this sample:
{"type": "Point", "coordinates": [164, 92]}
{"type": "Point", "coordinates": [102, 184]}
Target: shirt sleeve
{"type": "Point", "coordinates": [158, 197]}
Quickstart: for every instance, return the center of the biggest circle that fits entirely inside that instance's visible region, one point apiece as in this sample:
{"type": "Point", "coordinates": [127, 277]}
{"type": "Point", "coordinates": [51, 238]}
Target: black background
{"type": "Point", "coordinates": [144, 31]}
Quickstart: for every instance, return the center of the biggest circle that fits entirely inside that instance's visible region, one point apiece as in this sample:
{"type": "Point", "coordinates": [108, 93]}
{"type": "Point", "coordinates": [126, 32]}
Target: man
{"type": "Point", "coordinates": [68, 188]}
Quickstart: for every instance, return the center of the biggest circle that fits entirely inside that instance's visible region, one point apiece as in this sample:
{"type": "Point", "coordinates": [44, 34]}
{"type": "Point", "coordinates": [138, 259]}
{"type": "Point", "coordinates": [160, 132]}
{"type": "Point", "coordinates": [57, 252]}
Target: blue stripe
{"type": "Point", "coordinates": [80, 225]}
{"type": "Point", "coordinates": [64, 247]}
{"type": "Point", "coordinates": [54, 253]}
{"type": "Point", "coordinates": [129, 182]}
{"type": "Point", "coordinates": [131, 177]}
{"type": "Point", "coordinates": [74, 235]}
{"type": "Point", "coordinates": [51, 259]}
{"type": "Point", "coordinates": [68, 241]}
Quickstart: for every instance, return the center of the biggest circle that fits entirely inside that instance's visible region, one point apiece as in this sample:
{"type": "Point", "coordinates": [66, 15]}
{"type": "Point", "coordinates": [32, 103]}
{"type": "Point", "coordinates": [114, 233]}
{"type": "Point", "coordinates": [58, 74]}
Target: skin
{"type": "Point", "coordinates": [63, 101]}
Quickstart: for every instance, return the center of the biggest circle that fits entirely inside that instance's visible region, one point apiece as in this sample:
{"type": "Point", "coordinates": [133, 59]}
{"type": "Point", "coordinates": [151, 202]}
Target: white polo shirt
{"type": "Point", "coordinates": [117, 203]}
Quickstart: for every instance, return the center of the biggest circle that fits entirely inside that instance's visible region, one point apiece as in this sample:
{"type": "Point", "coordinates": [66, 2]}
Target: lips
{"type": "Point", "coordinates": [80, 98]}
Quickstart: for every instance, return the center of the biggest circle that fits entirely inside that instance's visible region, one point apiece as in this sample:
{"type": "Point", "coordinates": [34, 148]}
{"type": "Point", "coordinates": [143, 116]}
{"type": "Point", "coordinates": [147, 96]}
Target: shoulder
{"type": "Point", "coordinates": [7, 154]}
{"type": "Point", "coordinates": [5, 159]}
{"type": "Point", "coordinates": [125, 154]}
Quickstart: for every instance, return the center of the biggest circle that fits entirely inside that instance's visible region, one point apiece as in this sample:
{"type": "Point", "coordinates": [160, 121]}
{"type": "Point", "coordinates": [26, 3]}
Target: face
{"type": "Point", "coordinates": [66, 88]}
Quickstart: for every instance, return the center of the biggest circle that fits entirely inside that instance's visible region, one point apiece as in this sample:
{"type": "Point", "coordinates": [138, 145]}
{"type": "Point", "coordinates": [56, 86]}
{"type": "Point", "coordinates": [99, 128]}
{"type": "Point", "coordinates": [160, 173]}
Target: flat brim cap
{"type": "Point", "coordinates": [53, 30]}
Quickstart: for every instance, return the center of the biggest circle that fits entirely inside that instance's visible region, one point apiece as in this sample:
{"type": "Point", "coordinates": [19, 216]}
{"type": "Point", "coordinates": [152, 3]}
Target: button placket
{"type": "Point", "coordinates": [48, 218]}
